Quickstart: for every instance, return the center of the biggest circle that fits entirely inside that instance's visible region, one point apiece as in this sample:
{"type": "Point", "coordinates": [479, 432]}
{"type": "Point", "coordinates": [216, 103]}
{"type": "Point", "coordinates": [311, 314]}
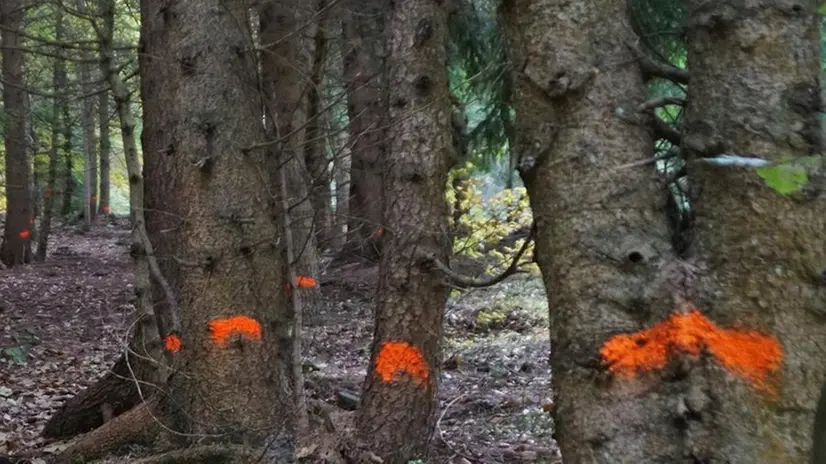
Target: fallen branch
{"type": "Point", "coordinates": [659, 103]}
{"type": "Point", "coordinates": [650, 67]}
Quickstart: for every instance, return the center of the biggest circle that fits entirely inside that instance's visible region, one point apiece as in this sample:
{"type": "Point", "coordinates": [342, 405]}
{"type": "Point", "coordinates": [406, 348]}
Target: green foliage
{"type": "Point", "coordinates": [486, 222]}
{"type": "Point", "coordinates": [789, 176]}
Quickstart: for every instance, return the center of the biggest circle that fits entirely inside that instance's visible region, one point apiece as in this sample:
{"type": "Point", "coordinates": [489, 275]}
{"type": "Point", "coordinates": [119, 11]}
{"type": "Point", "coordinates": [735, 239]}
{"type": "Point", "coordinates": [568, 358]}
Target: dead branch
{"type": "Point", "coordinates": [651, 67]}
{"type": "Point", "coordinates": [470, 282]}
{"type": "Point", "coordinates": [659, 103]}
{"type": "Point", "coordinates": [664, 131]}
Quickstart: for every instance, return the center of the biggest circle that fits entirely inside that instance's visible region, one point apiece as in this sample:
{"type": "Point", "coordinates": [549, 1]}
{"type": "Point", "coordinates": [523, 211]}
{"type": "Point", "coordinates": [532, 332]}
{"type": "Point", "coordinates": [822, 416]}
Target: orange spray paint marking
{"type": "Point", "coordinates": [172, 343]}
{"type": "Point", "coordinates": [748, 354]}
{"type": "Point", "coordinates": [395, 357]}
{"type": "Point", "coordinates": [305, 282]}
{"type": "Point", "coordinates": [24, 234]}
{"type": "Point", "coordinates": [222, 329]}
{"type": "Point", "coordinates": [105, 209]}
{"type": "Point", "coordinates": [378, 233]}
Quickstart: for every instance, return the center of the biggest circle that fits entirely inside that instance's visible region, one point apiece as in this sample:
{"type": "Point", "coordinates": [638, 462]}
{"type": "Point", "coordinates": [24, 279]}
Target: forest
{"type": "Point", "coordinates": [409, 232]}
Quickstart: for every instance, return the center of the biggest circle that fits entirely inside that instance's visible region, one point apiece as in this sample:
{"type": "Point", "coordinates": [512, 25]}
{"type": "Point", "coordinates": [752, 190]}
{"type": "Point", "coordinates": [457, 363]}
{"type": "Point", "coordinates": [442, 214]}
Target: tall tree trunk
{"type": "Point", "coordinates": [237, 382]}
{"type": "Point", "coordinates": [90, 178]}
{"type": "Point", "coordinates": [287, 31]}
{"type": "Point", "coordinates": [601, 233]}
{"type": "Point", "coordinates": [755, 91]}
{"type": "Point", "coordinates": [401, 389]}
{"type": "Point", "coordinates": [365, 47]}
{"type": "Point", "coordinates": [105, 153]}
{"type": "Point", "coordinates": [58, 83]}
{"type": "Point", "coordinates": [341, 177]}
{"type": "Point", "coordinates": [16, 247]}
{"type": "Point", "coordinates": [68, 191]}
{"type": "Point", "coordinates": [315, 153]}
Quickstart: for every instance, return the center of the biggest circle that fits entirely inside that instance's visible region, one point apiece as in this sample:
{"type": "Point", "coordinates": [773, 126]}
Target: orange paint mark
{"type": "Point", "coordinates": [395, 357]}
{"type": "Point", "coordinates": [222, 329]}
{"type": "Point", "coordinates": [378, 233]}
{"type": "Point", "coordinates": [305, 282]}
{"type": "Point", "coordinates": [105, 209]}
{"type": "Point", "coordinates": [746, 353]}
{"type": "Point", "coordinates": [24, 234]}
{"type": "Point", "coordinates": [172, 343]}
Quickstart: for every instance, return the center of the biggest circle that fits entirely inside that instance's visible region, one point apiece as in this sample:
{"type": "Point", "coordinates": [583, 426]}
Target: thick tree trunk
{"type": "Point", "coordinates": [238, 330]}
{"type": "Point", "coordinates": [602, 239]}
{"type": "Point", "coordinates": [16, 247]}
{"type": "Point", "coordinates": [755, 91]}
{"type": "Point", "coordinates": [365, 47]}
{"type": "Point", "coordinates": [400, 392]}
{"type": "Point", "coordinates": [58, 83]}
{"type": "Point", "coordinates": [105, 153]}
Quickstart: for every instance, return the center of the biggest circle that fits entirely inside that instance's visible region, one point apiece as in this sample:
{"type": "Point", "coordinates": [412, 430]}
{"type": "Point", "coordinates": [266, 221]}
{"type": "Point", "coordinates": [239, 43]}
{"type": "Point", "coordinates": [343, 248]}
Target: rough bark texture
{"type": "Point", "coordinates": [58, 83]}
{"type": "Point", "coordinates": [287, 35]}
{"type": "Point", "coordinates": [243, 388]}
{"type": "Point", "coordinates": [315, 149]}
{"type": "Point", "coordinates": [755, 91]}
{"type": "Point", "coordinates": [365, 49]}
{"type": "Point", "coordinates": [16, 247]}
{"type": "Point", "coordinates": [400, 392]}
{"type": "Point", "coordinates": [105, 152]}
{"type": "Point", "coordinates": [68, 163]}
{"type": "Point", "coordinates": [602, 237]}
{"type": "Point", "coordinates": [90, 158]}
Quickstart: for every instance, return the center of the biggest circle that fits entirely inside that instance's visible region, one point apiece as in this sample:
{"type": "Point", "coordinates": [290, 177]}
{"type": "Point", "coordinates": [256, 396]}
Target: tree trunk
{"type": "Point", "coordinates": [287, 30]}
{"type": "Point", "coordinates": [105, 153]}
{"type": "Point", "coordinates": [238, 330]}
{"type": "Point", "coordinates": [602, 239]}
{"type": "Point", "coordinates": [315, 153]}
{"type": "Point", "coordinates": [755, 91]}
{"type": "Point", "coordinates": [90, 178]}
{"type": "Point", "coordinates": [341, 177]}
{"type": "Point", "coordinates": [365, 47]}
{"type": "Point", "coordinates": [68, 163]}
{"type": "Point", "coordinates": [401, 389]}
{"type": "Point", "coordinates": [16, 247]}
{"type": "Point", "coordinates": [58, 83]}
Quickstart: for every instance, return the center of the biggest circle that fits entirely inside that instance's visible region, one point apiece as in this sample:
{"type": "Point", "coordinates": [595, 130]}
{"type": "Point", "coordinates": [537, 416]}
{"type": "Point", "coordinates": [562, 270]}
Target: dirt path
{"type": "Point", "coordinates": [62, 323]}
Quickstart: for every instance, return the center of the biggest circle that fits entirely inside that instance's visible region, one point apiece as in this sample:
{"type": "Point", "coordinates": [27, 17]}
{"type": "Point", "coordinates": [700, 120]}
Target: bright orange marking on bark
{"type": "Point", "coordinates": [746, 353]}
{"type": "Point", "coordinates": [394, 357]}
{"type": "Point", "coordinates": [222, 329]}
{"type": "Point", "coordinates": [172, 343]}
{"type": "Point", "coordinates": [305, 282]}
{"type": "Point", "coordinates": [105, 209]}
{"type": "Point", "coordinates": [24, 234]}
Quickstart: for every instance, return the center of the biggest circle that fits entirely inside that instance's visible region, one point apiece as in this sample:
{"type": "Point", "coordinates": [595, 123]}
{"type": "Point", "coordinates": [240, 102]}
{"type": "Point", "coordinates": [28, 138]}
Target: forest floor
{"type": "Point", "coordinates": [63, 322]}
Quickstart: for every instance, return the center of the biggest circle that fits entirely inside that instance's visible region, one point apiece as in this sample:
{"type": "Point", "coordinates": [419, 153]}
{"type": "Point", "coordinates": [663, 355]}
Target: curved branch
{"type": "Point", "coordinates": [471, 282]}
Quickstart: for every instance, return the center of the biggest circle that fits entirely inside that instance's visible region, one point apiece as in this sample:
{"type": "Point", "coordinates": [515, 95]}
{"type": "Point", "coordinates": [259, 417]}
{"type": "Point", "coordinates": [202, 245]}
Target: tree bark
{"type": "Point", "coordinates": [239, 385]}
{"type": "Point", "coordinates": [755, 91]}
{"type": "Point", "coordinates": [287, 32]}
{"type": "Point", "coordinates": [602, 239]}
{"type": "Point", "coordinates": [58, 83]}
{"type": "Point", "coordinates": [68, 163]}
{"type": "Point", "coordinates": [400, 396]}
{"type": "Point", "coordinates": [90, 178]}
{"type": "Point", "coordinates": [365, 49]}
{"type": "Point", "coordinates": [315, 152]}
{"type": "Point", "coordinates": [16, 247]}
{"type": "Point", "coordinates": [105, 153]}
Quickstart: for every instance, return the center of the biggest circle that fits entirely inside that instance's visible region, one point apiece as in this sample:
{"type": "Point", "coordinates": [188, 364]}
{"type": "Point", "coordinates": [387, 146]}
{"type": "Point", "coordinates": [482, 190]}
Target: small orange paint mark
{"type": "Point", "coordinates": [746, 353]}
{"type": "Point", "coordinates": [172, 343]}
{"type": "Point", "coordinates": [222, 329]}
{"type": "Point", "coordinates": [394, 357]}
{"type": "Point", "coordinates": [305, 282]}
{"type": "Point", "coordinates": [105, 209]}
{"type": "Point", "coordinates": [24, 234]}
{"type": "Point", "coordinates": [379, 232]}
